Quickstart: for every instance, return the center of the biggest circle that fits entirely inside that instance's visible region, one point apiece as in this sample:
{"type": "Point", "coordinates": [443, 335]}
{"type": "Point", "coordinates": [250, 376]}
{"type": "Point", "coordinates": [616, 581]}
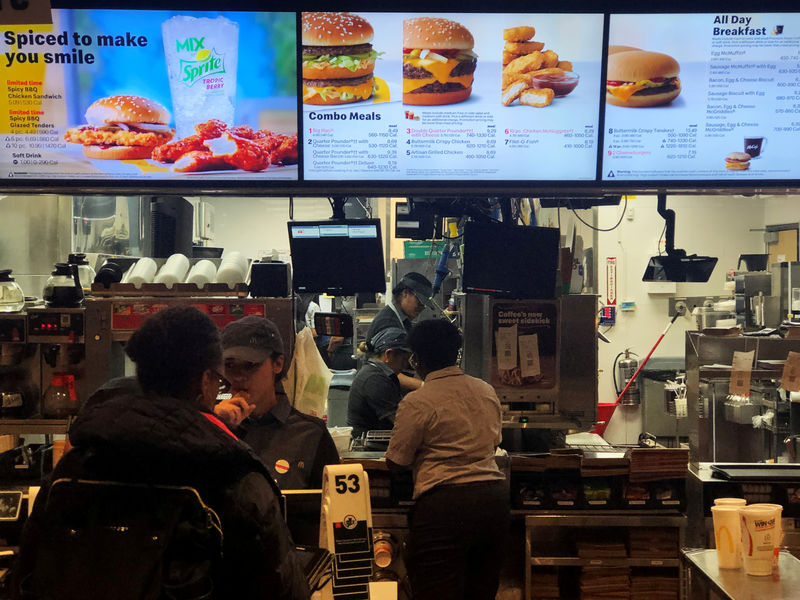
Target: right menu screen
{"type": "Point", "coordinates": [702, 97]}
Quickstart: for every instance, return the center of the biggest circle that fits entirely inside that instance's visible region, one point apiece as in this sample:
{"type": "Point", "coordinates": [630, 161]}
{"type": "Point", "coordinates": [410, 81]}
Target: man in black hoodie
{"type": "Point", "coordinates": [168, 435]}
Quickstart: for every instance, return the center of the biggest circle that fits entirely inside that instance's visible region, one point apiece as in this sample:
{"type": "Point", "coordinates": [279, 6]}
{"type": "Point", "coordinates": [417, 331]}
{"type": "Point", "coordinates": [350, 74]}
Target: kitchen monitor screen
{"type": "Point", "coordinates": [523, 265]}
{"type": "Point", "coordinates": [140, 95]}
{"type": "Point", "coordinates": [710, 96]}
{"type": "Point", "coordinates": [443, 96]}
{"type": "Point", "coordinates": [339, 258]}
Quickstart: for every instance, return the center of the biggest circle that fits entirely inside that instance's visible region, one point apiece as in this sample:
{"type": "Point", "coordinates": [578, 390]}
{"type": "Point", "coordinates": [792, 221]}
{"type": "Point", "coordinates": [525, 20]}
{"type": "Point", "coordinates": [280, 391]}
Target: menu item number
{"type": "Point", "coordinates": [122, 128]}
{"type": "Point", "coordinates": [532, 75]}
{"type": "Point", "coordinates": [338, 59]}
{"type": "Point", "coordinates": [438, 61]}
{"type": "Point", "coordinates": [637, 78]}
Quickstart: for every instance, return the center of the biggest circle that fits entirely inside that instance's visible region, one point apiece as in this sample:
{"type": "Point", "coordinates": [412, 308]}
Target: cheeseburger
{"type": "Point", "coordinates": [338, 58]}
{"type": "Point", "coordinates": [438, 61]}
{"type": "Point", "coordinates": [122, 127]}
{"type": "Point", "coordinates": [637, 79]}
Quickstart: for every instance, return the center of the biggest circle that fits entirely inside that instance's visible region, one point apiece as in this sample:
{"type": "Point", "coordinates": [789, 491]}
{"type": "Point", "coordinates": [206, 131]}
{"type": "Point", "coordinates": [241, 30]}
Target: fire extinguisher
{"type": "Point", "coordinates": [624, 371]}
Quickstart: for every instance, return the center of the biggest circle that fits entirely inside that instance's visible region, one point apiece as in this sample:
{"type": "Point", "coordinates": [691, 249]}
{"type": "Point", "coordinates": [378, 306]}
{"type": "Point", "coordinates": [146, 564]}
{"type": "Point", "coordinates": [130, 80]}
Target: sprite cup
{"type": "Point", "coordinates": [201, 56]}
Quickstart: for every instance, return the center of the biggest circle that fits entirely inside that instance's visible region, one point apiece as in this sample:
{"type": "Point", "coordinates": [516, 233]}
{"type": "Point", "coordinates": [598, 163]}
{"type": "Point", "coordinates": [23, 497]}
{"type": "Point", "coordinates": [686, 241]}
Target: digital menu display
{"type": "Point", "coordinates": [394, 96]}
{"type": "Point", "coordinates": [702, 97]}
{"type": "Point", "coordinates": [150, 95]}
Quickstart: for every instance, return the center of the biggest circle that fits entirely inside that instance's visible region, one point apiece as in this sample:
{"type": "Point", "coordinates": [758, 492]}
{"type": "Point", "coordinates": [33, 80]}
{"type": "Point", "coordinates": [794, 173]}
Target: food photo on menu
{"type": "Point", "coordinates": [155, 94]}
{"type": "Point", "coordinates": [456, 95]}
{"type": "Point", "coordinates": [697, 96]}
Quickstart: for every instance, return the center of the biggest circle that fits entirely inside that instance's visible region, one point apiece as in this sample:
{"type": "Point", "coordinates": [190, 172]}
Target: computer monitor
{"type": "Point", "coordinates": [337, 257]}
{"type": "Point", "coordinates": [510, 261]}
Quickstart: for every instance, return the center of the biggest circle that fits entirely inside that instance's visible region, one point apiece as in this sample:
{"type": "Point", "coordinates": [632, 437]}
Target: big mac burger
{"type": "Point", "coordinates": [338, 58]}
{"type": "Point", "coordinates": [637, 79]}
{"type": "Point", "coordinates": [122, 128]}
{"type": "Point", "coordinates": [438, 61]}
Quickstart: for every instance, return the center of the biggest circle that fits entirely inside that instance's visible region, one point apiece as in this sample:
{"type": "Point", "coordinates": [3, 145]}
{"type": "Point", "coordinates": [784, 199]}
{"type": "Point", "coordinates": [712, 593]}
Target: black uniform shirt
{"type": "Point", "coordinates": [294, 446]}
{"type": "Point", "coordinates": [390, 315]}
{"type": "Point", "coordinates": [374, 396]}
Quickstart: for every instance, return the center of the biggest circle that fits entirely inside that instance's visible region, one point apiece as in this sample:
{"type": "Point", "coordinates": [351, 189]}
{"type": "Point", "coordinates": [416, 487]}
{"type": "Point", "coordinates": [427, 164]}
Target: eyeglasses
{"type": "Point", "coordinates": [240, 369]}
{"type": "Point", "coordinates": [224, 384]}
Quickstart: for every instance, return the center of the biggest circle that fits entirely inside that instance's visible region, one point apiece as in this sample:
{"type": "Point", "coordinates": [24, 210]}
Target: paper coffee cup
{"type": "Point", "coordinates": [727, 536]}
{"type": "Point", "coordinates": [760, 536]}
{"type": "Point", "coordinates": [779, 524]}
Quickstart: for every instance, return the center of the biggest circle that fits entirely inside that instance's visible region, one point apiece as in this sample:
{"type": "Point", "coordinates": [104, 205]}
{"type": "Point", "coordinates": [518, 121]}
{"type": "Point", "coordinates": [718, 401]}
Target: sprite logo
{"type": "Point", "coordinates": [204, 63]}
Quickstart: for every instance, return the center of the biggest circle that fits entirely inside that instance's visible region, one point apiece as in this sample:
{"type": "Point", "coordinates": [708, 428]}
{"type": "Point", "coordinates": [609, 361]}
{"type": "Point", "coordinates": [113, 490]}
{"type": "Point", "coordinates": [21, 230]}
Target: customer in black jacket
{"type": "Point", "coordinates": [169, 435]}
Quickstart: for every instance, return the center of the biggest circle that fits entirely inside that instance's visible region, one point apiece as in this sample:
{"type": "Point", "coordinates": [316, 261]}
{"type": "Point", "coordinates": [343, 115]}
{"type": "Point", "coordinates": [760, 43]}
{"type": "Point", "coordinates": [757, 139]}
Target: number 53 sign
{"type": "Point", "coordinates": [25, 12]}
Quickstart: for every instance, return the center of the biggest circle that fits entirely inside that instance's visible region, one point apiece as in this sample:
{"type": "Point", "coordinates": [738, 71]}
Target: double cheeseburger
{"type": "Point", "coordinates": [737, 161]}
{"type": "Point", "coordinates": [122, 128]}
{"type": "Point", "coordinates": [637, 79]}
{"type": "Point", "coordinates": [438, 61]}
{"type": "Point", "coordinates": [338, 58]}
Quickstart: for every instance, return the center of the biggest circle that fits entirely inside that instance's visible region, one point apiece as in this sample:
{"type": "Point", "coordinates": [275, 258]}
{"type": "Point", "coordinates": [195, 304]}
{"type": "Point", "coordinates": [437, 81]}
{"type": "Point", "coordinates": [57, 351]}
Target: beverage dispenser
{"type": "Point", "coordinates": [19, 390]}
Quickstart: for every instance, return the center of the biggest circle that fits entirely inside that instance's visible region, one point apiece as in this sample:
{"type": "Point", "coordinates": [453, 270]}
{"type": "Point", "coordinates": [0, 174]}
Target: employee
{"type": "Point", "coordinates": [375, 391]}
{"type": "Point", "coordinates": [294, 446]}
{"type": "Point", "coordinates": [447, 433]}
{"type": "Point", "coordinates": [410, 297]}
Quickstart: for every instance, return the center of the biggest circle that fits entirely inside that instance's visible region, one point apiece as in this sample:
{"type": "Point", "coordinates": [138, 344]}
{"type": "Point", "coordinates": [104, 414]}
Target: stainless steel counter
{"type": "Point", "coordinates": [704, 576]}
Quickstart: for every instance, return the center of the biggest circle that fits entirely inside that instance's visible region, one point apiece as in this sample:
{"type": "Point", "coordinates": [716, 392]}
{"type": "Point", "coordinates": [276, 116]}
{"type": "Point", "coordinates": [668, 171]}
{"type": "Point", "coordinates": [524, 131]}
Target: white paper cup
{"type": "Point", "coordinates": [201, 273]}
{"type": "Point", "coordinates": [727, 536]}
{"type": "Point", "coordinates": [173, 271]}
{"type": "Point", "coordinates": [760, 536]}
{"type": "Point", "coordinates": [779, 524]}
{"type": "Point", "coordinates": [737, 502]}
{"type": "Point", "coordinates": [142, 272]}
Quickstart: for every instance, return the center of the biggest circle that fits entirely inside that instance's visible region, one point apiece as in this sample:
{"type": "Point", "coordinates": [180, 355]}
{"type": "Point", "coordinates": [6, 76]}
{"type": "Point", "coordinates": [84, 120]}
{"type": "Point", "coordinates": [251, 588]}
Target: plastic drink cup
{"type": "Point", "coordinates": [737, 502]}
{"type": "Point", "coordinates": [760, 536]}
{"type": "Point", "coordinates": [201, 56]}
{"type": "Point", "coordinates": [727, 536]}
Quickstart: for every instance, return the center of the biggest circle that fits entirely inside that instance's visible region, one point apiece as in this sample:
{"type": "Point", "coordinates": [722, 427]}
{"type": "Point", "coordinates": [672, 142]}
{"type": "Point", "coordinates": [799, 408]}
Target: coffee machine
{"type": "Point", "coordinates": [19, 389]}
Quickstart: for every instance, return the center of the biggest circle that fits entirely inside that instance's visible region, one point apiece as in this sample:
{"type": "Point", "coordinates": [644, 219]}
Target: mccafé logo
{"type": "Point", "coordinates": [206, 62]}
{"type": "Point", "coordinates": [761, 524]}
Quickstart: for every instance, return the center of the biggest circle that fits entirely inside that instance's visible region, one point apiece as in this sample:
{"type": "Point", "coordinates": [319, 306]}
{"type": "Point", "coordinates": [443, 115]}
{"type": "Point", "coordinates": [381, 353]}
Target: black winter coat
{"type": "Point", "coordinates": [162, 440]}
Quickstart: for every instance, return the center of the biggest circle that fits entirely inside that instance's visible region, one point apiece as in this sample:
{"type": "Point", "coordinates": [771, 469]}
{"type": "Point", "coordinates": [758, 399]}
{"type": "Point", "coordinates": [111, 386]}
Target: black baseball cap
{"type": "Point", "coordinates": [391, 338]}
{"type": "Point", "coordinates": [420, 286]}
{"type": "Point", "coordinates": [252, 338]}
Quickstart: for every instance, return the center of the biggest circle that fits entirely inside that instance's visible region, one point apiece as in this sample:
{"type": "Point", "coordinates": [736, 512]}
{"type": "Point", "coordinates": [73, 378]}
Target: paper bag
{"type": "Point", "coordinates": [308, 378]}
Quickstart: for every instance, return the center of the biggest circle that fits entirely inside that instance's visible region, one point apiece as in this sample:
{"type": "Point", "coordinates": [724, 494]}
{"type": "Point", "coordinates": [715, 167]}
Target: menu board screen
{"type": "Point", "coordinates": [150, 95]}
{"type": "Point", "coordinates": [417, 97]}
{"type": "Point", "coordinates": [702, 97]}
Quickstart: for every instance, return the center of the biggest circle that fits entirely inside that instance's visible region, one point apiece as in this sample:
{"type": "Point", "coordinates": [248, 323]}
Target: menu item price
{"type": "Point", "coordinates": [639, 79]}
{"type": "Point", "coordinates": [438, 61]}
{"type": "Point", "coordinates": [122, 128]}
{"type": "Point", "coordinates": [531, 75]}
{"type": "Point", "coordinates": [338, 58]}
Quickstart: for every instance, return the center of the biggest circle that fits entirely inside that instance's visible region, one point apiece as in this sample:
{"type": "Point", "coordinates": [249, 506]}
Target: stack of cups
{"type": "Point", "coordinates": [173, 271]}
{"type": "Point", "coordinates": [142, 272]}
{"type": "Point", "coordinates": [232, 269]}
{"type": "Point", "coordinates": [749, 535]}
{"type": "Point", "coordinates": [201, 273]}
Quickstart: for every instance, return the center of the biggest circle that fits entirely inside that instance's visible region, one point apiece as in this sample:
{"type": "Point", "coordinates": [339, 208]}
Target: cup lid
{"type": "Point", "coordinates": [5, 275]}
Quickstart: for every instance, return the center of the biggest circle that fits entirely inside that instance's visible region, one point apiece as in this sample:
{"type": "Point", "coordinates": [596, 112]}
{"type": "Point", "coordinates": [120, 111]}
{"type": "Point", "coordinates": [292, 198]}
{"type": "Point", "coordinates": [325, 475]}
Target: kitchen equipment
{"type": "Point", "coordinates": [11, 297]}
{"type": "Point", "coordinates": [109, 273]}
{"type": "Point", "coordinates": [60, 399]}
{"type": "Point", "coordinates": [86, 273]}
{"type": "Point", "coordinates": [63, 288]}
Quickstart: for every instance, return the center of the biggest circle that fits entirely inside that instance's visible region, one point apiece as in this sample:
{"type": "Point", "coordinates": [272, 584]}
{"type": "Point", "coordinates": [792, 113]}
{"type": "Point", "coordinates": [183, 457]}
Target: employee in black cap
{"type": "Point", "coordinates": [294, 446]}
{"type": "Point", "coordinates": [375, 391]}
{"type": "Point", "coordinates": [412, 294]}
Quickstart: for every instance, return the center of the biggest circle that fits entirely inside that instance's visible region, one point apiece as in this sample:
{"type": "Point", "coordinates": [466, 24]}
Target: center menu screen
{"type": "Point", "coordinates": [115, 95]}
{"type": "Point", "coordinates": [702, 97]}
{"type": "Point", "coordinates": [414, 97]}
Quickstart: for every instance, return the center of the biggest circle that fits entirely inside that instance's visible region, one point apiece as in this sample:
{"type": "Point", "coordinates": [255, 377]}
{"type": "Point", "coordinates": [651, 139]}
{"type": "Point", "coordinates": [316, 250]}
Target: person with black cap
{"type": "Point", "coordinates": [412, 295]}
{"type": "Point", "coordinates": [294, 446]}
{"type": "Point", "coordinates": [375, 391]}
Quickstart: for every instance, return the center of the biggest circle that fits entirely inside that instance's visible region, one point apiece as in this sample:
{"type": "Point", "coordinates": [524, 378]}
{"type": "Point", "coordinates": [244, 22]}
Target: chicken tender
{"type": "Point", "coordinates": [519, 34]}
{"type": "Point", "coordinates": [508, 57]}
{"type": "Point", "coordinates": [537, 97]}
{"type": "Point", "coordinates": [565, 65]}
{"type": "Point", "coordinates": [197, 160]}
{"type": "Point", "coordinates": [513, 91]}
{"type": "Point", "coordinates": [520, 48]}
{"type": "Point", "coordinates": [509, 78]}
{"type": "Point", "coordinates": [549, 59]}
{"type": "Point", "coordinates": [520, 65]}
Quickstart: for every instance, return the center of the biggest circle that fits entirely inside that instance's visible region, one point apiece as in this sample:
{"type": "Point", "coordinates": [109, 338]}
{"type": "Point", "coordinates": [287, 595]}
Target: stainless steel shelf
{"type": "Point", "coordinates": [571, 561]}
{"type": "Point", "coordinates": [604, 520]}
{"type": "Point", "coordinates": [34, 426]}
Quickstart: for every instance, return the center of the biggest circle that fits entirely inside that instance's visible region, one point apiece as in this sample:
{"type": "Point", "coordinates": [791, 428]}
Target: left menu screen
{"type": "Point", "coordinates": [150, 95]}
